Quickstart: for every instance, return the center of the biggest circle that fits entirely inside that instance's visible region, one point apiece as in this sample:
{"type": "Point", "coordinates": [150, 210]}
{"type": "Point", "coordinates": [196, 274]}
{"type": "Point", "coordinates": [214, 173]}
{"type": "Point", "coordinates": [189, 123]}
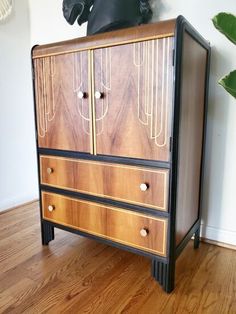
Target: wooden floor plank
{"type": "Point", "coordinates": [78, 275]}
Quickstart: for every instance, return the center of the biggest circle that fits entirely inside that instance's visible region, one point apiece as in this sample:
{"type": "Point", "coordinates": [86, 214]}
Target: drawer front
{"type": "Point", "coordinates": [135, 185]}
{"type": "Point", "coordinates": [119, 225]}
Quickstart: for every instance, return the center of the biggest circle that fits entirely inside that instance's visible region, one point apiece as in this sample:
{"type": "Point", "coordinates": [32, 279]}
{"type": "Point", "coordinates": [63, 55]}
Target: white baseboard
{"type": "Point", "coordinates": [218, 235]}
{"type": "Point", "coordinates": [6, 204]}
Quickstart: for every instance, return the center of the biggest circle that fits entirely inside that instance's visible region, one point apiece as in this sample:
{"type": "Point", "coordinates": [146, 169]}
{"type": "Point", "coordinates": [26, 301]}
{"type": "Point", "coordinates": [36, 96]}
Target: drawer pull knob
{"type": "Point", "coordinates": [81, 95]}
{"type": "Point", "coordinates": [144, 187]}
{"type": "Point", "coordinates": [49, 170]}
{"type": "Point", "coordinates": [98, 95]}
{"type": "Point", "coordinates": [51, 208]}
{"type": "Point", "coordinates": [144, 232]}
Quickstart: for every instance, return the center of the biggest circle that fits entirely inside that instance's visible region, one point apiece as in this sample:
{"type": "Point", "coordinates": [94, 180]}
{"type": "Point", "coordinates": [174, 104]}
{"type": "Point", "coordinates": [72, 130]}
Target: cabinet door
{"type": "Point", "coordinates": [133, 114]}
{"type": "Point", "coordinates": [63, 111]}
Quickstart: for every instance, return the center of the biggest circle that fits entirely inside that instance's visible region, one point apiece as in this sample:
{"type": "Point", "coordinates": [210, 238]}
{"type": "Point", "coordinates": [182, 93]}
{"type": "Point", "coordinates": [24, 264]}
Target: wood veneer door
{"type": "Point", "coordinates": [63, 119]}
{"type": "Point", "coordinates": [134, 114]}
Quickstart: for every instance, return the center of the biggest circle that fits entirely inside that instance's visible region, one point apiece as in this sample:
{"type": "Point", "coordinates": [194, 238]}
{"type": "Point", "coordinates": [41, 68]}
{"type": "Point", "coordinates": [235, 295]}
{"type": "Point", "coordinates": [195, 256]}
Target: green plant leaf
{"type": "Point", "coordinates": [226, 24]}
{"type": "Point", "coordinates": [229, 83]}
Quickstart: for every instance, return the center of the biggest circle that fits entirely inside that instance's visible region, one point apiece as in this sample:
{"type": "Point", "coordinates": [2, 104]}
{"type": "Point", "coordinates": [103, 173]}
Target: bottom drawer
{"type": "Point", "coordinates": [119, 225]}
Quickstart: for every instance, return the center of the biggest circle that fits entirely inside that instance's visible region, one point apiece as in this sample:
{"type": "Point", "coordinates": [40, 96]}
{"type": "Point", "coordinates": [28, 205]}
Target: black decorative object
{"type": "Point", "coordinates": [107, 15]}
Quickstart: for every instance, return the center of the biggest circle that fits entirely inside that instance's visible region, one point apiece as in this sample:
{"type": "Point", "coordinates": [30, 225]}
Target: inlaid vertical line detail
{"type": "Point", "coordinates": [87, 119]}
{"type": "Point", "coordinates": [158, 133]}
{"type": "Point", "coordinates": [157, 87]}
{"type": "Point", "coordinates": [45, 98]}
{"type": "Point", "coordinates": [78, 86]}
{"type": "Point", "coordinates": [92, 90]}
{"type": "Point", "coordinates": [153, 89]}
{"type": "Point", "coordinates": [105, 86]}
{"type": "Point", "coordinates": [52, 71]}
{"type": "Point", "coordinates": [90, 97]}
{"type": "Point", "coordinates": [165, 92]}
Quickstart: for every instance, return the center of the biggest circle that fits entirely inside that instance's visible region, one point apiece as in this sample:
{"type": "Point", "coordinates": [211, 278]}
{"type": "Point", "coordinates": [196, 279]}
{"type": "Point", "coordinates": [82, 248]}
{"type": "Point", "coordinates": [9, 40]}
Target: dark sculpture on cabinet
{"type": "Point", "coordinates": [107, 15]}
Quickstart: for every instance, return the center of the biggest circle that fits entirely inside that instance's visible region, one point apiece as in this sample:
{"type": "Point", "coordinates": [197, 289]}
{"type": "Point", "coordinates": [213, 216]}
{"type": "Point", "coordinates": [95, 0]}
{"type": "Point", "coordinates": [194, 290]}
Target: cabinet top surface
{"type": "Point", "coordinates": [118, 37]}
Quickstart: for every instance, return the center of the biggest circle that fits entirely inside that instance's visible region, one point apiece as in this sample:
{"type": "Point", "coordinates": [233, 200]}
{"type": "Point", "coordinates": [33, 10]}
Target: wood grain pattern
{"type": "Point", "coordinates": [118, 182]}
{"type": "Point", "coordinates": [190, 136]}
{"type": "Point", "coordinates": [63, 120]}
{"type": "Point", "coordinates": [142, 32]}
{"type": "Point", "coordinates": [119, 225]}
{"type": "Point", "coordinates": [133, 116]}
{"type": "Point", "coordinates": [75, 274]}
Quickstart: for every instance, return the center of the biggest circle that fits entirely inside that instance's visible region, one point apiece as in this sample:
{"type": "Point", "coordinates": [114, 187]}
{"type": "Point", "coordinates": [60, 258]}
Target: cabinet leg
{"type": "Point", "coordinates": [47, 233]}
{"type": "Point", "coordinates": [197, 239]}
{"type": "Point", "coordinates": [164, 274]}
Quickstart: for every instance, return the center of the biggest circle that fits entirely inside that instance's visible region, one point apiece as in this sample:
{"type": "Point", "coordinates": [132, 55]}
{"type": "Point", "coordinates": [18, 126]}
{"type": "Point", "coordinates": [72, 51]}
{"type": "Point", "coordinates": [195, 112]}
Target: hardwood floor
{"type": "Point", "coordinates": [77, 275]}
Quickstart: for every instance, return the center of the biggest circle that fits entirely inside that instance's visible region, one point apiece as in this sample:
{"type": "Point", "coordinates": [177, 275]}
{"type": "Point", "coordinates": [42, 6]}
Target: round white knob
{"type": "Point", "coordinates": [144, 232]}
{"type": "Point", "coordinates": [81, 95]}
{"type": "Point", "coordinates": [51, 208]}
{"type": "Point", "coordinates": [143, 187]}
{"type": "Point", "coordinates": [98, 95]}
{"type": "Point", "coordinates": [49, 170]}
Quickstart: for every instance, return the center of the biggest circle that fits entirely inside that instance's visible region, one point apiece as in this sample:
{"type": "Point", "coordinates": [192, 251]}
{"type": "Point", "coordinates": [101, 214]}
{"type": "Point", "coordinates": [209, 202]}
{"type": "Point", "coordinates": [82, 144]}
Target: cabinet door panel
{"type": "Point", "coordinates": [134, 113]}
{"type": "Point", "coordinates": [63, 119]}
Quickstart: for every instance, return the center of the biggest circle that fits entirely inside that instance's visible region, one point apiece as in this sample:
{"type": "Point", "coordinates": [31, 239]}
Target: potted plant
{"type": "Point", "coordinates": [226, 24]}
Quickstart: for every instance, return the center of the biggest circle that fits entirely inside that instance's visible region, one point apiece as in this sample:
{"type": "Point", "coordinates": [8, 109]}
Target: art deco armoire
{"type": "Point", "coordinates": [120, 122]}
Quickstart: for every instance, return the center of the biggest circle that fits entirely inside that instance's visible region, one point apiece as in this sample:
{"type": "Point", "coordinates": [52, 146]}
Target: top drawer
{"type": "Point", "coordinates": [138, 186]}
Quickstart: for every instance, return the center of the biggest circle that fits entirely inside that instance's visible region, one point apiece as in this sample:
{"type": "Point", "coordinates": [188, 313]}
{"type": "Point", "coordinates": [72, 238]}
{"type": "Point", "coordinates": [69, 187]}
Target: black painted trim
{"type": "Point", "coordinates": [160, 271]}
{"type": "Point", "coordinates": [182, 26]}
{"type": "Point", "coordinates": [174, 157]}
{"type": "Point", "coordinates": [187, 238]}
{"type": "Point", "coordinates": [105, 201]}
{"type": "Point", "coordinates": [105, 158]}
{"type": "Point", "coordinates": [206, 96]}
{"type": "Point", "coordinates": [47, 233]}
{"type": "Point", "coordinates": [44, 231]}
{"type": "Point", "coordinates": [108, 242]}
{"type": "Point", "coordinates": [196, 242]}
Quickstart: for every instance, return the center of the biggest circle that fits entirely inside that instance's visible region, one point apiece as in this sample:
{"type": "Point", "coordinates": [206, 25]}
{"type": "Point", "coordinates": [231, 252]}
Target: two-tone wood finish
{"type": "Point", "coordinates": [136, 98]}
{"type": "Point", "coordinates": [120, 37]}
{"type": "Point", "coordinates": [133, 112]}
{"type": "Point", "coordinates": [63, 113]}
{"type": "Point", "coordinates": [126, 227]}
{"type": "Point", "coordinates": [123, 110]}
{"type": "Point", "coordinates": [142, 186]}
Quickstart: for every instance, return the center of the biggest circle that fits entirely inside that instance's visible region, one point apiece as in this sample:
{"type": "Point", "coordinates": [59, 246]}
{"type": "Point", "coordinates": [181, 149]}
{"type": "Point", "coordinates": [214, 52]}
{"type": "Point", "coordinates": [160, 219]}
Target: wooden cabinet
{"type": "Point", "coordinates": [120, 121]}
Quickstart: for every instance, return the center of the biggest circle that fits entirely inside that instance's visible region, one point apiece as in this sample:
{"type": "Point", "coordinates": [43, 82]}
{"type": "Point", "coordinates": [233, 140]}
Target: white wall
{"type": "Point", "coordinates": [32, 22]}
{"type": "Point", "coordinates": [18, 176]}
{"type": "Point", "coordinates": [48, 25]}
